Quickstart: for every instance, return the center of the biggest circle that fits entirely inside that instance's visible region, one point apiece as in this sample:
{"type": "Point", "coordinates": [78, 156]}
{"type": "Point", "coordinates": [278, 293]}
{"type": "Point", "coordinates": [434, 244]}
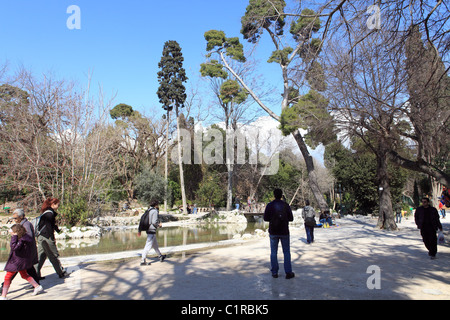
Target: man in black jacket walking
{"type": "Point", "coordinates": [427, 220]}
{"type": "Point", "coordinates": [278, 213]}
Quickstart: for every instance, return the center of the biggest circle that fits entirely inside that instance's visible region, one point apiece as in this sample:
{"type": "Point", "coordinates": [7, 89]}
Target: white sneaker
{"type": "Point", "coordinates": [3, 298]}
{"type": "Point", "coordinates": [37, 290]}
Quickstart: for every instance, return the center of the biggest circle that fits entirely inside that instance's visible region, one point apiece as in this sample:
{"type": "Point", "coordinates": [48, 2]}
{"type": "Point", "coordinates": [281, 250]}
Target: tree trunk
{"type": "Point", "coordinates": [386, 218]}
{"type": "Point", "coordinates": [229, 159]}
{"type": "Point", "coordinates": [230, 187]}
{"type": "Point", "coordinates": [436, 191]}
{"type": "Point", "coordinates": [180, 163]}
{"type": "Point", "coordinates": [166, 164]}
{"type": "Point", "coordinates": [312, 175]}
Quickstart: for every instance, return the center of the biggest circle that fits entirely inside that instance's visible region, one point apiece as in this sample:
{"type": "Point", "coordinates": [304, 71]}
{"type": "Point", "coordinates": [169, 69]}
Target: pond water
{"type": "Point", "coordinates": [126, 240]}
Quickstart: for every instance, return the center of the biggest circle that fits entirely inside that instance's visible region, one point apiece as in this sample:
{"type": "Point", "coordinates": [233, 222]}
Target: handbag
{"type": "Point", "coordinates": [441, 239]}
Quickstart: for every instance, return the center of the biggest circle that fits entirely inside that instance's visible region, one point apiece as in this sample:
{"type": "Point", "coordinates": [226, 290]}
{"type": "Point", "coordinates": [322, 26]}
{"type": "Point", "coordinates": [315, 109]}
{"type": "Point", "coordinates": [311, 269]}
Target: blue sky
{"type": "Point", "coordinates": [120, 42]}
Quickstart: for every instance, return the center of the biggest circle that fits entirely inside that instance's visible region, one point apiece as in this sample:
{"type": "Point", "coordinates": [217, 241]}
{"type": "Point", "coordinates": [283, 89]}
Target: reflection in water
{"type": "Point", "coordinates": [126, 240]}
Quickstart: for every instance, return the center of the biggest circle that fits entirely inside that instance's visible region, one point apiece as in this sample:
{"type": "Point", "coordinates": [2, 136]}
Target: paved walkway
{"type": "Point", "coordinates": [339, 265]}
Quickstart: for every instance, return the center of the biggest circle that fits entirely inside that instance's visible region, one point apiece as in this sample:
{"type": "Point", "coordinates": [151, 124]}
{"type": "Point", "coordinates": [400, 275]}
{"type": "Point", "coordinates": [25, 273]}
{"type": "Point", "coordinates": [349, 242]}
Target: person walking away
{"type": "Point", "coordinates": [398, 212]}
{"type": "Point", "coordinates": [278, 213]}
{"type": "Point", "coordinates": [150, 227]}
{"type": "Point", "coordinates": [20, 259]}
{"type": "Point", "coordinates": [46, 237]}
{"type": "Point", "coordinates": [427, 220]}
{"type": "Point", "coordinates": [19, 218]}
{"type": "Point", "coordinates": [237, 201]}
{"type": "Point", "coordinates": [308, 216]}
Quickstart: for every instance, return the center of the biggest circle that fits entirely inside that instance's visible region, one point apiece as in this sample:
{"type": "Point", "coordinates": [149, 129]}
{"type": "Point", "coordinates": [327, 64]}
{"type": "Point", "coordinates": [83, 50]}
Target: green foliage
{"type": "Point", "coordinates": [235, 49]}
{"type": "Point", "coordinates": [316, 77]}
{"type": "Point", "coordinates": [310, 112]}
{"type": "Point", "coordinates": [289, 121]}
{"type": "Point", "coordinates": [216, 40]}
{"type": "Point", "coordinates": [115, 191]}
{"type": "Point", "coordinates": [286, 178]}
{"type": "Point", "coordinates": [171, 91]}
{"type": "Point", "coordinates": [12, 96]}
{"type": "Point", "coordinates": [213, 69]}
{"type": "Point", "coordinates": [74, 211]}
{"type": "Point", "coordinates": [149, 186]}
{"type": "Point", "coordinates": [305, 25]}
{"type": "Point", "coordinates": [356, 172]}
{"type": "Point", "coordinates": [211, 191]}
{"type": "Point", "coordinates": [261, 14]}
{"type": "Point", "coordinates": [231, 91]}
{"type": "Point", "coordinates": [122, 111]}
{"type": "Point", "coordinates": [280, 56]}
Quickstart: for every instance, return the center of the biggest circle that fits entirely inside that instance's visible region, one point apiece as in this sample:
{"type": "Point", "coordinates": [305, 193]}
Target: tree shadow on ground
{"type": "Point", "coordinates": [334, 267]}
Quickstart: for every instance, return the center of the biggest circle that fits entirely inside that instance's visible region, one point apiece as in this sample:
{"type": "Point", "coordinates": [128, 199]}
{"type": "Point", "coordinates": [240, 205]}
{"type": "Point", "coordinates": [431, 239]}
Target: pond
{"type": "Point", "coordinates": [126, 240]}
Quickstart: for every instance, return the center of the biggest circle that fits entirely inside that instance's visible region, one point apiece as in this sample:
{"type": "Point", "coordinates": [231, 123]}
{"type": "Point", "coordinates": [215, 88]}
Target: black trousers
{"type": "Point", "coordinates": [429, 238]}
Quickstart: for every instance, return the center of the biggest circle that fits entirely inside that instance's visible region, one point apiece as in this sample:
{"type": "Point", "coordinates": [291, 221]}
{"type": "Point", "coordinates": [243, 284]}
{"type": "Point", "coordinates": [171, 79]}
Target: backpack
{"type": "Point", "coordinates": [144, 224]}
{"type": "Point", "coordinates": [35, 223]}
{"type": "Point", "coordinates": [310, 220]}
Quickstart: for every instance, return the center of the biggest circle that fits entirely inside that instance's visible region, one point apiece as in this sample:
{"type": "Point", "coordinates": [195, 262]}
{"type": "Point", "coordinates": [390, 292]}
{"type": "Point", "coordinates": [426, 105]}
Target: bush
{"type": "Point", "coordinates": [74, 212]}
{"type": "Point", "coordinates": [149, 186]}
{"type": "Point", "coordinates": [211, 192]}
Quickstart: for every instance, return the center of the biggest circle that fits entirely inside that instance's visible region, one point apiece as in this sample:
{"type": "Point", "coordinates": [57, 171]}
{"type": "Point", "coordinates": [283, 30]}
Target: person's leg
{"type": "Point", "coordinates": [32, 272]}
{"type": "Point", "coordinates": [430, 240]}
{"type": "Point", "coordinates": [147, 248]}
{"type": "Point", "coordinates": [42, 256]}
{"type": "Point", "coordinates": [273, 254]}
{"type": "Point", "coordinates": [286, 246]}
{"type": "Point", "coordinates": [433, 244]}
{"type": "Point", "coordinates": [37, 287]}
{"type": "Point", "coordinates": [155, 245]}
{"type": "Point", "coordinates": [7, 283]}
{"type": "Point", "coordinates": [24, 274]}
{"type": "Point", "coordinates": [308, 234]}
{"type": "Point", "coordinates": [52, 253]}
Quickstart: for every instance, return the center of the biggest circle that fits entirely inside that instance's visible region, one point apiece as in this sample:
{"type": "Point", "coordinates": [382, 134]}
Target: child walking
{"type": "Point", "coordinates": [20, 259]}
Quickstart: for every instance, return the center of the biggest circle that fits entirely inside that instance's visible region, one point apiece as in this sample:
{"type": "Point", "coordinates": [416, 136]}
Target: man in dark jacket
{"type": "Point", "coordinates": [278, 213]}
{"type": "Point", "coordinates": [427, 220]}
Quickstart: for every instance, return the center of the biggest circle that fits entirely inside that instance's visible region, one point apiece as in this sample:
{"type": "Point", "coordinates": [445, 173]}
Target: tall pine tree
{"type": "Point", "coordinates": [172, 93]}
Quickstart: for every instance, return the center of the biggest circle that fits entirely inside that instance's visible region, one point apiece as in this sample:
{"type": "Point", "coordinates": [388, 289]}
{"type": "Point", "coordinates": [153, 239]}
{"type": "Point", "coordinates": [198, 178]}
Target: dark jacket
{"type": "Point", "coordinates": [427, 218]}
{"type": "Point", "coordinates": [21, 255]}
{"type": "Point", "coordinates": [30, 231]}
{"type": "Point", "coordinates": [47, 225]}
{"type": "Point", "coordinates": [278, 213]}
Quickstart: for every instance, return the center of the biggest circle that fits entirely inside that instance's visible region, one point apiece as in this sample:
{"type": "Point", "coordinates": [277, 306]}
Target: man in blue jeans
{"type": "Point", "coordinates": [278, 213]}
